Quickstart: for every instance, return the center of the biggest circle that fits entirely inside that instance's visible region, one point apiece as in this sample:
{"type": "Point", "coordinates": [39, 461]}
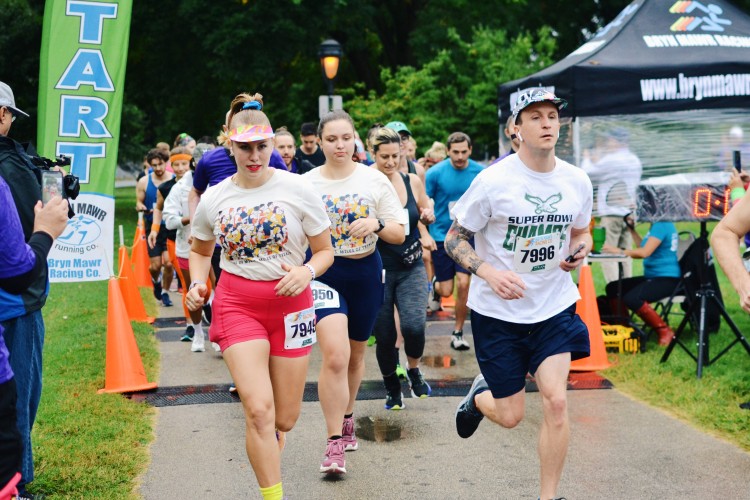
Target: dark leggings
{"type": "Point", "coordinates": [406, 291]}
{"type": "Point", "coordinates": [10, 438]}
{"type": "Point", "coordinates": [639, 289]}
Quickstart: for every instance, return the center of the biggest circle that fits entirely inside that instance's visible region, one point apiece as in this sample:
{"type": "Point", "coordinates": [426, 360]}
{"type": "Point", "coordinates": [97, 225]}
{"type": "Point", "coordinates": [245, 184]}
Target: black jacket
{"type": "Point", "coordinates": [24, 180]}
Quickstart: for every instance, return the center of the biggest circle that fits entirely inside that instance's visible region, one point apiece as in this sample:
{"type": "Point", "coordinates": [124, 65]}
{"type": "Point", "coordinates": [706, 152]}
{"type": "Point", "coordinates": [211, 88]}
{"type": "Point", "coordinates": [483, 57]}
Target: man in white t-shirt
{"type": "Point", "coordinates": [529, 216]}
{"type": "Point", "coordinates": [615, 174]}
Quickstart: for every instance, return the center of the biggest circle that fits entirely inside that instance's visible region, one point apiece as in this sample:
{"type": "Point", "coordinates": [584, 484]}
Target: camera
{"type": "Point", "coordinates": [68, 187]}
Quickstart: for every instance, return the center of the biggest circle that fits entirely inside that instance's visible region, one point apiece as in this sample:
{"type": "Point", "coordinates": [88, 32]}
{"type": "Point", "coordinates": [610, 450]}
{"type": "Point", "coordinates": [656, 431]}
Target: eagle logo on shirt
{"type": "Point", "coordinates": [544, 206]}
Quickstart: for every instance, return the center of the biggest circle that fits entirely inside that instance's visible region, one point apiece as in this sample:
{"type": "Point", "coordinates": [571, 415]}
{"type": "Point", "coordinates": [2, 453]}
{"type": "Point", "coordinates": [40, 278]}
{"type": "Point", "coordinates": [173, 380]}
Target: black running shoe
{"type": "Point", "coordinates": [468, 415]}
{"type": "Point", "coordinates": [157, 289]}
{"type": "Point", "coordinates": [189, 332]}
{"type": "Point", "coordinates": [394, 401]}
{"type": "Point", "coordinates": [166, 300]}
{"type": "Point", "coordinates": [419, 388]}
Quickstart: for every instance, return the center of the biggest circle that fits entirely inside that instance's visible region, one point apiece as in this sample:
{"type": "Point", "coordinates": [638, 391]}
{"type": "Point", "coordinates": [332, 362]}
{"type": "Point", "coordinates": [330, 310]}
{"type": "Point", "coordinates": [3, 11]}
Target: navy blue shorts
{"type": "Point", "coordinates": [445, 268]}
{"type": "Point", "coordinates": [359, 283]}
{"type": "Point", "coordinates": [506, 351]}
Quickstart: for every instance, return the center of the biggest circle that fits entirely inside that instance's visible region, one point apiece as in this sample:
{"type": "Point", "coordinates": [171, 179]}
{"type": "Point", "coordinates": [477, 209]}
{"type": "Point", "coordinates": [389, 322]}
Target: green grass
{"type": "Point", "coordinates": [710, 403]}
{"type": "Point", "coordinates": [89, 445]}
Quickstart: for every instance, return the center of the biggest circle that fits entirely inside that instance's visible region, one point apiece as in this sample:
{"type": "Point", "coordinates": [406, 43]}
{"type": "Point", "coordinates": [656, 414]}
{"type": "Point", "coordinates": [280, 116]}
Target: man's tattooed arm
{"type": "Point", "coordinates": [457, 246]}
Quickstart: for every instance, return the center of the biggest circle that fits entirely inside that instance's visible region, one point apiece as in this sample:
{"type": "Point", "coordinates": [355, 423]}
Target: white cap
{"type": "Point", "coordinates": [7, 100]}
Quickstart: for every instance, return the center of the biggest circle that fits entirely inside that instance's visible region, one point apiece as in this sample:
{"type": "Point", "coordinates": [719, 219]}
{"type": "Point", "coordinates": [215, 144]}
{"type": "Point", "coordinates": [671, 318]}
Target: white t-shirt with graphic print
{"type": "Point", "coordinates": [366, 192]}
{"type": "Point", "coordinates": [522, 220]}
{"type": "Point", "coordinates": [259, 229]}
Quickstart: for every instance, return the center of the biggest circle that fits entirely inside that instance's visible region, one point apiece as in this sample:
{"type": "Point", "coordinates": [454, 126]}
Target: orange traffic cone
{"type": "Point", "coordinates": [589, 313]}
{"type": "Point", "coordinates": [124, 369]}
{"type": "Point", "coordinates": [129, 289]}
{"type": "Point", "coordinates": [449, 302]}
{"type": "Point", "coordinates": [140, 255]}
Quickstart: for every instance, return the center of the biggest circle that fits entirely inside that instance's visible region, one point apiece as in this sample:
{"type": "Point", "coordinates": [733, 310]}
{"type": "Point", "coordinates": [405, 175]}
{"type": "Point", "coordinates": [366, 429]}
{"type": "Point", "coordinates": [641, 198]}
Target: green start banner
{"type": "Point", "coordinates": [81, 84]}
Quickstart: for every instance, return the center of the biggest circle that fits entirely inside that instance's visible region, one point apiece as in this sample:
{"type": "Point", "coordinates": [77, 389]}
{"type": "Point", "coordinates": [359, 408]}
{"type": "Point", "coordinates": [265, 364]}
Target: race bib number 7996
{"type": "Point", "coordinates": [537, 254]}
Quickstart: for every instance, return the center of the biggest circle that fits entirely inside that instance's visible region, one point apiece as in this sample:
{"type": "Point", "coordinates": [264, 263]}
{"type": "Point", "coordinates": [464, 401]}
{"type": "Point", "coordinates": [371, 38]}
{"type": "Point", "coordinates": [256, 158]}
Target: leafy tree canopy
{"type": "Point", "coordinates": [433, 63]}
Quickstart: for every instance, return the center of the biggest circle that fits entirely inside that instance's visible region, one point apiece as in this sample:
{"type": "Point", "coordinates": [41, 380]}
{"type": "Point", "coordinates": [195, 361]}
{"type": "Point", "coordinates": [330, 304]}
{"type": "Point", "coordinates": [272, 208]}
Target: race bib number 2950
{"type": "Point", "coordinates": [324, 297]}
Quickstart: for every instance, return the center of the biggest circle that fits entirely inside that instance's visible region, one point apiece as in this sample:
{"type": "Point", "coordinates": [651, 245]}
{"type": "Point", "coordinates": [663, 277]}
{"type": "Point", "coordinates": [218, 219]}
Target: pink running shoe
{"type": "Point", "coordinates": [333, 462]}
{"type": "Point", "coordinates": [348, 436]}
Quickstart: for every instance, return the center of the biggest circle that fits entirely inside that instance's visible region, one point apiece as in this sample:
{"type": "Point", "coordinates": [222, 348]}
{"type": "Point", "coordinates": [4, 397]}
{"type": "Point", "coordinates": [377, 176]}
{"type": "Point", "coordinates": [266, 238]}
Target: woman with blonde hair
{"type": "Point", "coordinates": [437, 153]}
{"type": "Point", "coordinates": [264, 219]}
{"type": "Point", "coordinates": [404, 276]}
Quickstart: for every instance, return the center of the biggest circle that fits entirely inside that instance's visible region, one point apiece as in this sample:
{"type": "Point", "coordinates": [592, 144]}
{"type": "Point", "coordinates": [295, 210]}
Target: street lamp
{"type": "Point", "coordinates": [330, 54]}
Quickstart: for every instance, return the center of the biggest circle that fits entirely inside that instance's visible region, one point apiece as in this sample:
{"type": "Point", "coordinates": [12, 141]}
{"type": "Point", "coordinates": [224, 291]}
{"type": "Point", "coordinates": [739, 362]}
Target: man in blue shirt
{"type": "Point", "coordinates": [446, 182]}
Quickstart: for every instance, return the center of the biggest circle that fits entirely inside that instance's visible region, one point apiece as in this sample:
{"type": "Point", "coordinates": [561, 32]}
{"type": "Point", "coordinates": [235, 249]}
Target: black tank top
{"type": "Point", "coordinates": [391, 254]}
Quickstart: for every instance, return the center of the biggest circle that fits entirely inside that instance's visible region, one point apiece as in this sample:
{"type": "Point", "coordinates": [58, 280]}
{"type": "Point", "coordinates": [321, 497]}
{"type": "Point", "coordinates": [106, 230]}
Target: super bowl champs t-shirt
{"type": "Point", "coordinates": [366, 192]}
{"type": "Point", "coordinates": [261, 228]}
{"type": "Point", "coordinates": [522, 220]}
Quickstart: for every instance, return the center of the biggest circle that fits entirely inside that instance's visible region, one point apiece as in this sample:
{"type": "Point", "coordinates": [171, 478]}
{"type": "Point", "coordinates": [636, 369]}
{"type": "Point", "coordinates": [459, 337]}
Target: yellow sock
{"type": "Point", "coordinates": [274, 492]}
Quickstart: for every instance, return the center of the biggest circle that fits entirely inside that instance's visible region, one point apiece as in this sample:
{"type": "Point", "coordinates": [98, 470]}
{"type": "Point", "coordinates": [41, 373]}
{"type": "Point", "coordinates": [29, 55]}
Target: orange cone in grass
{"type": "Point", "coordinates": [124, 370]}
{"type": "Point", "coordinates": [140, 255]}
{"type": "Point", "coordinates": [587, 309]}
{"type": "Point", "coordinates": [131, 295]}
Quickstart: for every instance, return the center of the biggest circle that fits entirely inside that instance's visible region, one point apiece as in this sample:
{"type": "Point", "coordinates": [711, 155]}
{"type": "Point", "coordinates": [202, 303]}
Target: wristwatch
{"type": "Point", "coordinates": [381, 225]}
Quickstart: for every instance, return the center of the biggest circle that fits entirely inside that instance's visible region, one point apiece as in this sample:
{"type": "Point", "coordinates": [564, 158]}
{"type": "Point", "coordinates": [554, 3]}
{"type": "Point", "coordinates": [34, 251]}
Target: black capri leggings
{"type": "Point", "coordinates": [639, 289]}
{"type": "Point", "coordinates": [406, 291]}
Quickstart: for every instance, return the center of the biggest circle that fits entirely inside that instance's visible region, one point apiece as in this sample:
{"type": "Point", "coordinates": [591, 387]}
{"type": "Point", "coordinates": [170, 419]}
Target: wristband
{"type": "Point", "coordinates": [155, 227]}
{"type": "Point", "coordinates": [312, 270]}
{"type": "Point", "coordinates": [195, 283]}
{"type": "Point", "coordinates": [737, 193]}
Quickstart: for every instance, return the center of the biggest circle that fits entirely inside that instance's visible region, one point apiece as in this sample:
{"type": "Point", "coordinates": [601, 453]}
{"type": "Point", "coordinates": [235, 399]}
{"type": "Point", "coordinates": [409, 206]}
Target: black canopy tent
{"type": "Point", "coordinates": [670, 58]}
{"type": "Point", "coordinates": [656, 56]}
{"type": "Point", "coordinates": [676, 76]}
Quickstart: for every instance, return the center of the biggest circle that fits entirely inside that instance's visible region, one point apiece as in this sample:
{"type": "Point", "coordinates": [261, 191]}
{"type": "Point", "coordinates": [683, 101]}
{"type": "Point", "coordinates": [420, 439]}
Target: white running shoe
{"type": "Point", "coordinates": [433, 299]}
{"type": "Point", "coordinates": [457, 341]}
{"type": "Point", "coordinates": [199, 343]}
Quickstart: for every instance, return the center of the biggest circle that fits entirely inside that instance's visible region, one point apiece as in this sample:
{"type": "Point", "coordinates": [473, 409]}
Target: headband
{"type": "Point", "coordinates": [252, 105]}
{"type": "Point", "coordinates": [251, 133]}
{"type": "Point", "coordinates": [180, 156]}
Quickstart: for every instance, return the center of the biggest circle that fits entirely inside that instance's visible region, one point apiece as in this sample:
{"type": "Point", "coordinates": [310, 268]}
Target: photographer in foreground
{"type": "Point", "coordinates": [20, 308]}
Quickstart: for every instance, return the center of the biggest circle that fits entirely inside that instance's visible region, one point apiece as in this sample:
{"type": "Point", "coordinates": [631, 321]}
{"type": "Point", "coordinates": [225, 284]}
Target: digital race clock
{"type": "Point", "coordinates": [684, 197]}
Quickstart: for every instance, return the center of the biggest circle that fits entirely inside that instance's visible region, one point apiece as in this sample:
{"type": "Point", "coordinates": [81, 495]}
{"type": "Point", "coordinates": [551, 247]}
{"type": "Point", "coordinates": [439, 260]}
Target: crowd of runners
{"type": "Point", "coordinates": [341, 242]}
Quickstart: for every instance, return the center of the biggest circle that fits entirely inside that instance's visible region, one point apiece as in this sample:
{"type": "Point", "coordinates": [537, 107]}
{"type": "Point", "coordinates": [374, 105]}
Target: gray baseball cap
{"type": "Point", "coordinates": [7, 100]}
